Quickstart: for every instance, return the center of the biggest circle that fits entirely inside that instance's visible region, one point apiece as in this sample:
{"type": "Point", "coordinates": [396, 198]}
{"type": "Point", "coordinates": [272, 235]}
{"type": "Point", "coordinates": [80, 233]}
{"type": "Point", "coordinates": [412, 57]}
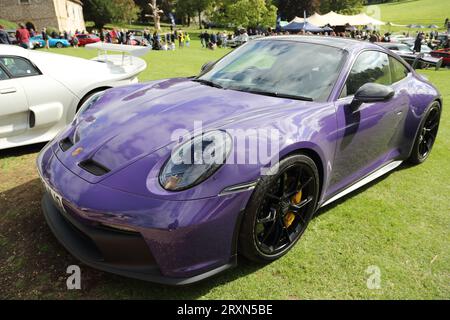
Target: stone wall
{"type": "Point", "coordinates": [60, 14]}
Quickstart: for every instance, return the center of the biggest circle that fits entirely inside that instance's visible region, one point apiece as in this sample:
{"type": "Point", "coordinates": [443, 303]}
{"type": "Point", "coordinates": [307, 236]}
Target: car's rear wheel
{"type": "Point", "coordinates": [280, 209]}
{"type": "Point", "coordinates": [59, 45]}
{"type": "Point", "coordinates": [427, 134]}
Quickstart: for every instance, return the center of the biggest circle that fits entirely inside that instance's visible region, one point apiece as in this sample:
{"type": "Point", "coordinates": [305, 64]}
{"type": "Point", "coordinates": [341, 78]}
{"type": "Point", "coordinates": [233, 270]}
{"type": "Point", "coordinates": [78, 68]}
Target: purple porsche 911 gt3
{"type": "Point", "coordinates": [168, 181]}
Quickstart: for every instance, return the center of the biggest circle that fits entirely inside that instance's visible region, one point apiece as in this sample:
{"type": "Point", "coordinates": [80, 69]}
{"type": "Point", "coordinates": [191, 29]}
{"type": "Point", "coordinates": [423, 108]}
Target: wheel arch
{"type": "Point", "coordinates": [315, 156]}
{"type": "Point", "coordinates": [416, 133]}
{"type": "Point", "coordinates": [298, 149]}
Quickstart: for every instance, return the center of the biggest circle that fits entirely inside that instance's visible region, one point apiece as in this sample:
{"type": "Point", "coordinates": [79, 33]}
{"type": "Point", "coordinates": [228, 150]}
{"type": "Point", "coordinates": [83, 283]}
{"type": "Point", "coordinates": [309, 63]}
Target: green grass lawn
{"type": "Point", "coordinates": [8, 24]}
{"type": "Point", "coordinates": [424, 12]}
{"type": "Point", "coordinates": [400, 224]}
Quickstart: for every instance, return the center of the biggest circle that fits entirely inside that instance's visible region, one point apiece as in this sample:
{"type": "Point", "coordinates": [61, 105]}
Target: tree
{"type": "Point", "coordinates": [289, 9]}
{"type": "Point", "coordinates": [252, 13]}
{"type": "Point", "coordinates": [102, 12]}
{"type": "Point", "coordinates": [245, 13]}
{"type": "Point", "coordinates": [342, 6]}
{"type": "Point", "coordinates": [155, 14]}
{"type": "Point", "coordinates": [184, 10]}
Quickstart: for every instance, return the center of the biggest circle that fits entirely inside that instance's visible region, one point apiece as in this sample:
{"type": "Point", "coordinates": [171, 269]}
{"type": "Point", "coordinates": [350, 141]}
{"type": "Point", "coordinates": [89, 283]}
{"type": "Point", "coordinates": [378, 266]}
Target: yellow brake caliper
{"type": "Point", "coordinates": [290, 216]}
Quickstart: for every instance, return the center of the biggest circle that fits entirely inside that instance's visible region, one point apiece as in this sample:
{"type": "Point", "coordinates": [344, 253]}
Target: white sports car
{"type": "Point", "coordinates": [40, 92]}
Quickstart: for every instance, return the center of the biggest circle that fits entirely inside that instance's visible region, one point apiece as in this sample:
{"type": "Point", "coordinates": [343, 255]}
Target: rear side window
{"type": "Point", "coordinates": [398, 70]}
{"type": "Point", "coordinates": [369, 67]}
{"type": "Point", "coordinates": [19, 67]}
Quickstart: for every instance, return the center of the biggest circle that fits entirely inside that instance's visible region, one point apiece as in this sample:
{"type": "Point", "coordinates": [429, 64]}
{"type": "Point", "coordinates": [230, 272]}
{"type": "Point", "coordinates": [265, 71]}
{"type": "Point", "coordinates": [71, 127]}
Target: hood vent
{"type": "Point", "coordinates": [94, 168]}
{"type": "Point", "coordinates": [65, 144]}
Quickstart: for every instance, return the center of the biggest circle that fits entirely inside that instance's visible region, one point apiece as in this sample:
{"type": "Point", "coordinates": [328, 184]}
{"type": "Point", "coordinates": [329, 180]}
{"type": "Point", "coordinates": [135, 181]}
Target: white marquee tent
{"type": "Point", "coordinates": [335, 19]}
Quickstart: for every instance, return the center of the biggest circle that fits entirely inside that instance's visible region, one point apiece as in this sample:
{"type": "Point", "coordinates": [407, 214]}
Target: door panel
{"type": "Point", "coordinates": [14, 114]}
{"type": "Point", "coordinates": [49, 101]}
{"type": "Point", "coordinates": [369, 136]}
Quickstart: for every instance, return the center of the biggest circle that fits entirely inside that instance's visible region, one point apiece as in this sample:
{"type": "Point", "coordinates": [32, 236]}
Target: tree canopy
{"type": "Point", "coordinates": [102, 12]}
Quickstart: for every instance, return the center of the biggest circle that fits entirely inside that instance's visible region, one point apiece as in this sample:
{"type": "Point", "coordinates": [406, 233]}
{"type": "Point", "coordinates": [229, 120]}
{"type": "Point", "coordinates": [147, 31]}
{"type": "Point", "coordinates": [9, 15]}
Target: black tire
{"type": "Point", "coordinates": [426, 135]}
{"type": "Point", "coordinates": [59, 45]}
{"type": "Point", "coordinates": [306, 180]}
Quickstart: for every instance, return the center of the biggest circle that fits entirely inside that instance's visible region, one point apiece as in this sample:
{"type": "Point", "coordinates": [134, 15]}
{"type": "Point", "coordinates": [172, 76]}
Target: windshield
{"type": "Point", "coordinates": [280, 68]}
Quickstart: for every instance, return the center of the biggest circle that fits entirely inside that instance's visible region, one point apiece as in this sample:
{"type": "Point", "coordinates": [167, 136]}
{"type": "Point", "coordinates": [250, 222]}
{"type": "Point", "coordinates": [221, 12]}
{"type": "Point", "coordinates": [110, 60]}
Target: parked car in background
{"type": "Point", "coordinates": [84, 39]}
{"type": "Point", "coordinates": [441, 39]}
{"type": "Point", "coordinates": [40, 92]}
{"type": "Point", "coordinates": [423, 49]}
{"type": "Point", "coordinates": [53, 42]}
{"type": "Point", "coordinates": [12, 36]}
{"type": "Point", "coordinates": [417, 60]}
{"type": "Point", "coordinates": [400, 38]}
{"type": "Point", "coordinates": [444, 54]}
{"type": "Point", "coordinates": [138, 36]}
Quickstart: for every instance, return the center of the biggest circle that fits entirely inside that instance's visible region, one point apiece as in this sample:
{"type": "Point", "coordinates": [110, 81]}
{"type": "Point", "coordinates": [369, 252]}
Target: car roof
{"type": "Point", "coordinates": [7, 49]}
{"type": "Point", "coordinates": [347, 44]}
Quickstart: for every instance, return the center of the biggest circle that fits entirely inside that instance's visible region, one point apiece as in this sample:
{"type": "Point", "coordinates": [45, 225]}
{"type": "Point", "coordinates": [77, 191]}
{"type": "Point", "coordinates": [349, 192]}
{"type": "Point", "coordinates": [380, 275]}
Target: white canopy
{"type": "Point", "coordinates": [335, 19]}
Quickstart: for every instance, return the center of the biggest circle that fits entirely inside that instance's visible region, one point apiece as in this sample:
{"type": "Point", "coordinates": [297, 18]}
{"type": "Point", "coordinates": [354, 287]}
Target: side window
{"type": "Point", "coordinates": [370, 66]}
{"type": "Point", "coordinates": [398, 70]}
{"type": "Point", "coordinates": [3, 75]}
{"type": "Point", "coordinates": [18, 67]}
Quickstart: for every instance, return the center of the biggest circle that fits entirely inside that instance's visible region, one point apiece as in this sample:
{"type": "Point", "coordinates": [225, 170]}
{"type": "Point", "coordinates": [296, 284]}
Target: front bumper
{"type": "Point", "coordinates": [170, 242]}
{"type": "Point", "coordinates": [121, 253]}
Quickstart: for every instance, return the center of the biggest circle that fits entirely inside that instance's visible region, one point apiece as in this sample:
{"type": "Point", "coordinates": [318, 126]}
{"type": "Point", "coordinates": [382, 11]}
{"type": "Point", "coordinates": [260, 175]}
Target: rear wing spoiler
{"type": "Point", "coordinates": [126, 50]}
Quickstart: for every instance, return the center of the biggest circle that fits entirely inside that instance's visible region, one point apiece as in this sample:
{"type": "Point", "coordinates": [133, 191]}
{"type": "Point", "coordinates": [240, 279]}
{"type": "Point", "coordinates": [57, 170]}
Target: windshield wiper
{"type": "Point", "coordinates": [208, 83]}
{"type": "Point", "coordinates": [277, 94]}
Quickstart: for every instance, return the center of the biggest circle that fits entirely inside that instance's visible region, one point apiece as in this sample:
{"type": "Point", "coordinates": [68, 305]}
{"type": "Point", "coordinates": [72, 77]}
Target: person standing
{"type": "Point", "coordinates": [45, 38]}
{"type": "Point", "coordinates": [23, 36]}
{"type": "Point", "coordinates": [187, 40]}
{"type": "Point", "coordinates": [4, 37]}
{"type": "Point", "coordinates": [418, 43]}
{"type": "Point", "coordinates": [202, 39]}
{"type": "Point", "coordinates": [180, 39]}
{"type": "Point", "coordinates": [206, 36]}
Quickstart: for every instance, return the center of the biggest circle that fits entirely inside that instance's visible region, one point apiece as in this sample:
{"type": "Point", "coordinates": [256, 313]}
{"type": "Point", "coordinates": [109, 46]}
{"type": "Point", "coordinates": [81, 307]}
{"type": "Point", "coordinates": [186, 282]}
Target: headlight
{"type": "Point", "coordinates": [195, 160]}
{"type": "Point", "coordinates": [89, 103]}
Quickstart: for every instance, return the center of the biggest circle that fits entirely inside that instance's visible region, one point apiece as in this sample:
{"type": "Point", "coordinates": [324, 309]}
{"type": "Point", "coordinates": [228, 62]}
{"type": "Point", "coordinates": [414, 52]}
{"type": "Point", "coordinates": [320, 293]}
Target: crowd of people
{"type": "Point", "coordinates": [208, 39]}
{"type": "Point", "coordinates": [157, 40]}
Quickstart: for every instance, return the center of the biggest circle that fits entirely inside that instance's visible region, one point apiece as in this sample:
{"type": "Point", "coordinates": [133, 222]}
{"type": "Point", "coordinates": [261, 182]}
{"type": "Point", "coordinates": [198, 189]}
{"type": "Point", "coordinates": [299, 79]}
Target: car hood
{"type": "Point", "coordinates": [128, 123]}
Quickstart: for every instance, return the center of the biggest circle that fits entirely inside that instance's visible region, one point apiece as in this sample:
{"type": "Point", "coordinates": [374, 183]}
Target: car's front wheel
{"type": "Point", "coordinates": [427, 134]}
{"type": "Point", "coordinates": [59, 45]}
{"type": "Point", "coordinates": [280, 209]}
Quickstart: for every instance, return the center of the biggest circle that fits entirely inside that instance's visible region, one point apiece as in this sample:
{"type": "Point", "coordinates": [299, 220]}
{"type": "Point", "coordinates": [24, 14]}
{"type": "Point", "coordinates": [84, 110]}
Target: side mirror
{"type": "Point", "coordinates": [370, 93]}
{"type": "Point", "coordinates": [207, 66]}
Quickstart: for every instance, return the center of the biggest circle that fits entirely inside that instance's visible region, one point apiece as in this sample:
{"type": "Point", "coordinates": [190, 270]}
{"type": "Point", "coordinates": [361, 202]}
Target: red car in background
{"type": "Point", "coordinates": [444, 54]}
{"type": "Point", "coordinates": [84, 39]}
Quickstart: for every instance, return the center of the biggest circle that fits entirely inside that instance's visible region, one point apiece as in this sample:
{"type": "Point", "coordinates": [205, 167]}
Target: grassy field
{"type": "Point", "coordinates": [423, 12]}
{"type": "Point", "coordinates": [400, 224]}
{"type": "Point", "coordinates": [8, 24]}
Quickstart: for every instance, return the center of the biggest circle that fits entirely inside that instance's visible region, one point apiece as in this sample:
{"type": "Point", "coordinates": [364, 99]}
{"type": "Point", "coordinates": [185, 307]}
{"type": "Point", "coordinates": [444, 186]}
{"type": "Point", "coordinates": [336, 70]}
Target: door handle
{"type": "Point", "coordinates": [7, 90]}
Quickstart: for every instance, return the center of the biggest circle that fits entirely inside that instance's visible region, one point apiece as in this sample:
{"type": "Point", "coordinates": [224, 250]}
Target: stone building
{"type": "Point", "coordinates": [60, 14]}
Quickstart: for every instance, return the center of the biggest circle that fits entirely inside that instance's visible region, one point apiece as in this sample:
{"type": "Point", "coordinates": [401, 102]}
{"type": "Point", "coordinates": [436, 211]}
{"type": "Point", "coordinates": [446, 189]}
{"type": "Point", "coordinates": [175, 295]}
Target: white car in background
{"type": "Point", "coordinates": [41, 92]}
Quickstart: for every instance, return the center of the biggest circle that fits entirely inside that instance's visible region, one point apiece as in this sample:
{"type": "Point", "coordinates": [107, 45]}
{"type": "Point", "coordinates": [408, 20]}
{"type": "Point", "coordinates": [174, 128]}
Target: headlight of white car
{"type": "Point", "coordinates": [89, 103]}
{"type": "Point", "coordinates": [196, 160]}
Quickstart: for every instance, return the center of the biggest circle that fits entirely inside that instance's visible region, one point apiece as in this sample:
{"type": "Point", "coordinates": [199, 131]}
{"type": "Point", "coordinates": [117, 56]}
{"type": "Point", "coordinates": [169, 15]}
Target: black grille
{"type": "Point", "coordinates": [65, 144]}
{"type": "Point", "coordinates": [94, 168]}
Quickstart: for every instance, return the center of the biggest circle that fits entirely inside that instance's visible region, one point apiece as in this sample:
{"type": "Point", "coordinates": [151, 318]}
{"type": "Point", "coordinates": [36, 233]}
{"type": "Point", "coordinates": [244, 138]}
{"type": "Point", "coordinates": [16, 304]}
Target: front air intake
{"type": "Point", "coordinates": [94, 168]}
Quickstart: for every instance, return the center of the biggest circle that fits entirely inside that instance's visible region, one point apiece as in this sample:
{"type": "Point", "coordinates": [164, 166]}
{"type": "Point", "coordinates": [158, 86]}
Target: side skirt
{"type": "Point", "coordinates": [371, 177]}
